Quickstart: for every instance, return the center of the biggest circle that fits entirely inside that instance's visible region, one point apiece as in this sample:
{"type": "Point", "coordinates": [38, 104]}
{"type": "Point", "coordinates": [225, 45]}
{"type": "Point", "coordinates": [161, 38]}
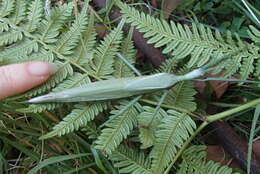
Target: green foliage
{"type": "Point", "coordinates": [70, 41]}
{"type": "Point", "coordinates": [130, 161]}
{"type": "Point", "coordinates": [148, 122]}
{"type": "Point", "coordinates": [198, 164]}
{"type": "Point", "coordinates": [104, 55]}
{"type": "Point", "coordinates": [122, 122]}
{"type": "Point", "coordinates": [172, 133]}
{"type": "Point", "coordinates": [199, 43]}
{"type": "Point", "coordinates": [128, 51]}
{"type": "Point", "coordinates": [79, 116]}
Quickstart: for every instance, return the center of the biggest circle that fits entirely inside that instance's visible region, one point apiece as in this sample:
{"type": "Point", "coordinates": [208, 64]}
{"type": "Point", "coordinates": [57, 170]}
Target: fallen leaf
{"type": "Point", "coordinates": [168, 6]}
{"type": "Point", "coordinates": [218, 154]}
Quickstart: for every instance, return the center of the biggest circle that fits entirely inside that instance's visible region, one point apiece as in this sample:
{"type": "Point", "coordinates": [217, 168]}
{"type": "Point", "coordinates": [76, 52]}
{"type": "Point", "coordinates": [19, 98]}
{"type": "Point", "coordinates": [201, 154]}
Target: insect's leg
{"type": "Point", "coordinates": [165, 93]}
{"type": "Point", "coordinates": [128, 64]}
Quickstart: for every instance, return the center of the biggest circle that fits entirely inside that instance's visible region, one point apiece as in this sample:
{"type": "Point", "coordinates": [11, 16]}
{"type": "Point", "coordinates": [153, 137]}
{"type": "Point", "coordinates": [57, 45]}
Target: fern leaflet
{"type": "Point", "coordinates": [34, 15]}
{"type": "Point", "coordinates": [194, 161]}
{"type": "Point", "coordinates": [123, 120]}
{"type": "Point", "coordinates": [78, 117]}
{"type": "Point", "coordinates": [172, 133]}
{"type": "Point", "coordinates": [128, 51]}
{"type": "Point", "coordinates": [129, 161]}
{"type": "Point", "coordinates": [103, 60]}
{"type": "Point", "coordinates": [148, 122]}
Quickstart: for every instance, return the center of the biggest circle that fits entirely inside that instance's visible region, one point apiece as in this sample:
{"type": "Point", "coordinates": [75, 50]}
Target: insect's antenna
{"type": "Point", "coordinates": [128, 64]}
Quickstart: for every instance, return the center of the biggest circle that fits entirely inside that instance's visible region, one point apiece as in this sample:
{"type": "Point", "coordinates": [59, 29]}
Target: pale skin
{"type": "Point", "coordinates": [18, 78]}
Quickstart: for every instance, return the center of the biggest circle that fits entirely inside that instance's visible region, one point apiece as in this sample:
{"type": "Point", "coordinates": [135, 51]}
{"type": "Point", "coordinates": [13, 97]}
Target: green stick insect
{"type": "Point", "coordinates": [122, 87]}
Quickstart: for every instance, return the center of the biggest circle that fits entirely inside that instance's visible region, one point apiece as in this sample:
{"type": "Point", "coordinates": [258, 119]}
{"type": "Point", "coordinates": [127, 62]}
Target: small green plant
{"type": "Point", "coordinates": [159, 127]}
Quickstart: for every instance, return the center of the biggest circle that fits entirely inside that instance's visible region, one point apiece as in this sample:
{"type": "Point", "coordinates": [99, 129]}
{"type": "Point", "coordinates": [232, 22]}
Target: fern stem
{"type": "Point", "coordinates": [209, 120]}
{"type": "Point", "coordinates": [158, 106]}
{"type": "Point", "coordinates": [227, 113]}
{"type": "Point", "coordinates": [202, 126]}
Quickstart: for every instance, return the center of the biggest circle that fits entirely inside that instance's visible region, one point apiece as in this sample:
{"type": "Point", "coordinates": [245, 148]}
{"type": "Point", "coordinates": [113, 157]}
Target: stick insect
{"type": "Point", "coordinates": [122, 87]}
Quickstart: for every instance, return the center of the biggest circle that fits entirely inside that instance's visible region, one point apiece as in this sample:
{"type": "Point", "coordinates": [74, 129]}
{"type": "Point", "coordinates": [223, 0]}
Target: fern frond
{"type": "Point", "coordinates": [78, 117]}
{"type": "Point", "coordinates": [148, 122]}
{"type": "Point", "coordinates": [257, 73]}
{"type": "Point", "coordinates": [174, 130]}
{"type": "Point", "coordinates": [34, 15]}
{"type": "Point", "coordinates": [10, 37]}
{"type": "Point", "coordinates": [129, 161]}
{"type": "Point", "coordinates": [122, 122]}
{"type": "Point", "coordinates": [175, 37]}
{"type": "Point", "coordinates": [50, 27]}
{"type": "Point", "coordinates": [6, 7]}
{"type": "Point", "coordinates": [182, 96]}
{"type": "Point", "coordinates": [91, 130]}
{"type": "Point", "coordinates": [19, 12]}
{"type": "Point", "coordinates": [84, 51]}
{"type": "Point", "coordinates": [254, 33]}
{"type": "Point", "coordinates": [169, 65]}
{"type": "Point", "coordinates": [76, 80]}
{"type": "Point", "coordinates": [104, 55]}
{"type": "Point", "coordinates": [3, 27]}
{"type": "Point", "coordinates": [70, 39]}
{"type": "Point", "coordinates": [38, 108]}
{"type": "Point", "coordinates": [127, 50]}
{"type": "Point", "coordinates": [64, 70]}
{"type": "Point", "coordinates": [247, 67]}
{"type": "Point", "coordinates": [199, 42]}
{"type": "Point", "coordinates": [22, 48]}
{"type": "Point", "coordinates": [194, 161]}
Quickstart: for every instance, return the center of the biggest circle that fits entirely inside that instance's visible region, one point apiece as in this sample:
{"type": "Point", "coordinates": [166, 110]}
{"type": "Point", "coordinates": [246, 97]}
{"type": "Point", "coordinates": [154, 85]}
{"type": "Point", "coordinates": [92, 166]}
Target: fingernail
{"type": "Point", "coordinates": [41, 68]}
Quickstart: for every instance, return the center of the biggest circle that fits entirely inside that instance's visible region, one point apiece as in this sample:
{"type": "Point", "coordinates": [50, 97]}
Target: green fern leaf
{"type": "Point", "coordinates": [199, 43]}
{"type": "Point", "coordinates": [34, 15]}
{"type": "Point", "coordinates": [3, 27]}
{"type": "Point", "coordinates": [42, 55]}
{"type": "Point", "coordinates": [129, 161]}
{"type": "Point", "coordinates": [104, 55]}
{"type": "Point", "coordinates": [78, 117]}
{"type": "Point", "coordinates": [194, 161]}
{"type": "Point", "coordinates": [169, 65]}
{"type": "Point", "coordinates": [247, 67]}
{"type": "Point", "coordinates": [7, 7]}
{"type": "Point", "coordinates": [174, 130]}
{"type": "Point", "coordinates": [83, 53]}
{"type": "Point", "coordinates": [50, 27]}
{"type": "Point", "coordinates": [148, 121]}
{"type": "Point", "coordinates": [38, 108]}
{"type": "Point", "coordinates": [19, 12]}
{"type": "Point", "coordinates": [122, 122]}
{"type": "Point", "coordinates": [70, 39]}
{"type": "Point", "coordinates": [76, 80]}
{"type": "Point", "coordinates": [127, 50]}
{"type": "Point", "coordinates": [25, 47]}
{"type": "Point", "coordinates": [254, 34]}
{"type": "Point", "coordinates": [175, 37]}
{"type": "Point", "coordinates": [257, 73]}
{"type": "Point", "coordinates": [10, 37]}
{"type": "Point", "coordinates": [182, 96]}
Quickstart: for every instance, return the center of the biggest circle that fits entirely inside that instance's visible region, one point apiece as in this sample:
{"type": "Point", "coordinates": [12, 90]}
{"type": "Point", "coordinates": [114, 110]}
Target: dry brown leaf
{"type": "Point", "coordinates": [218, 154]}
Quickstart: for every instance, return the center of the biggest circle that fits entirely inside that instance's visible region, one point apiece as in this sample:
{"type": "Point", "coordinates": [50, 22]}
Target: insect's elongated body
{"type": "Point", "coordinates": [116, 88]}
